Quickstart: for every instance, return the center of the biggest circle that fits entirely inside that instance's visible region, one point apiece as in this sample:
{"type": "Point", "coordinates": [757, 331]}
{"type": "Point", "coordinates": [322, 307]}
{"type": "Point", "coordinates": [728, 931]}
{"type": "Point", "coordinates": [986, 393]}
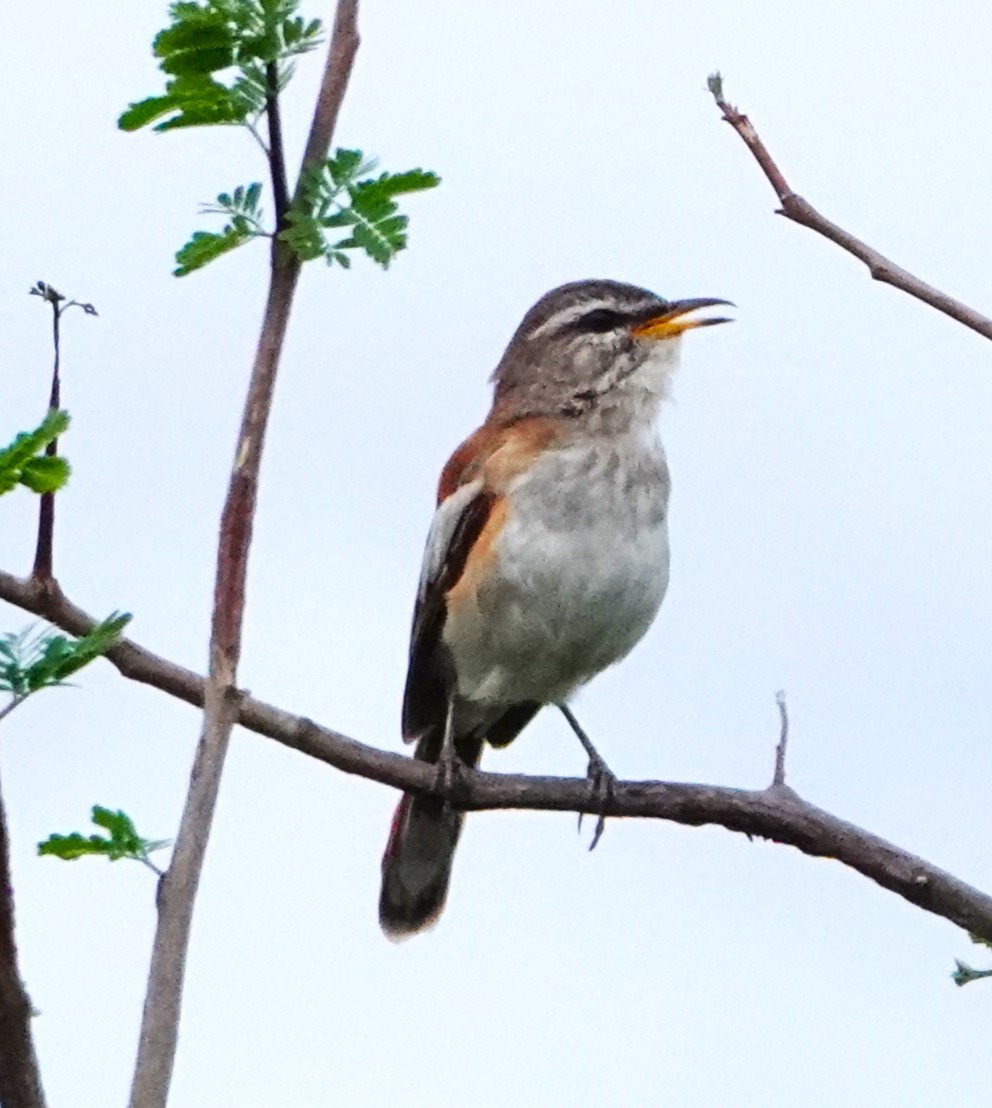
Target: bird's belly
{"type": "Point", "coordinates": [574, 588]}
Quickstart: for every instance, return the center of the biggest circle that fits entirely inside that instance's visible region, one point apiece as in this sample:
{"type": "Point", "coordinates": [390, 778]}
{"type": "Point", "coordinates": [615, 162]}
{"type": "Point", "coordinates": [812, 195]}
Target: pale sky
{"type": "Point", "coordinates": [831, 535]}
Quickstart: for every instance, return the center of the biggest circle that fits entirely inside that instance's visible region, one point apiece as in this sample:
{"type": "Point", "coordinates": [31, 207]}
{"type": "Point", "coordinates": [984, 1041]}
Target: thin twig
{"type": "Point", "coordinates": [778, 780]}
{"type": "Point", "coordinates": [778, 814]}
{"type": "Point", "coordinates": [252, 127]}
{"type": "Point", "coordinates": [797, 209]}
{"type": "Point", "coordinates": [46, 508]}
{"type": "Point", "coordinates": [20, 1078]}
{"type": "Point", "coordinates": [221, 699]}
{"type": "Point", "coordinates": [43, 556]}
{"type": "Point", "coordinates": [151, 865]}
{"type": "Point", "coordinates": [5, 711]}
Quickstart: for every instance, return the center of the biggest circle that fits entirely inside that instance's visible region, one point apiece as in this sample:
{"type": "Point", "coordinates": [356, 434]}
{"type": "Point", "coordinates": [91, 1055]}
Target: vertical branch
{"type": "Point", "coordinates": [43, 558]}
{"type": "Point", "coordinates": [276, 150]}
{"type": "Point", "coordinates": [778, 780]}
{"type": "Point", "coordinates": [344, 46]}
{"type": "Point", "coordinates": [177, 890]}
{"type": "Point", "coordinates": [42, 570]}
{"type": "Point", "coordinates": [20, 1080]}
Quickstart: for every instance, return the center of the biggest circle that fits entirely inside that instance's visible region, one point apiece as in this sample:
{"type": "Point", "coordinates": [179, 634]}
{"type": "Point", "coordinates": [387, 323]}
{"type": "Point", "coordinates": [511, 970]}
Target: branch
{"type": "Point", "coordinates": [46, 511]}
{"type": "Point", "coordinates": [337, 74]}
{"type": "Point", "coordinates": [776, 813]}
{"type": "Point", "coordinates": [276, 151]}
{"type": "Point", "coordinates": [797, 209]}
{"type": "Point", "coordinates": [783, 739]}
{"type": "Point", "coordinates": [220, 696]}
{"type": "Point", "coordinates": [20, 1079]}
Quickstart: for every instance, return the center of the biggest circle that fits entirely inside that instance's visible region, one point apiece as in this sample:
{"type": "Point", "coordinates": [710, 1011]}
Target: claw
{"type": "Point", "coordinates": [599, 774]}
{"type": "Point", "coordinates": [601, 778]}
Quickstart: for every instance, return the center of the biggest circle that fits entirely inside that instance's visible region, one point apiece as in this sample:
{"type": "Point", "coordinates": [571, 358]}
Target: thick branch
{"type": "Point", "coordinates": [220, 697]}
{"type": "Point", "coordinates": [776, 813]}
{"type": "Point", "coordinates": [20, 1079]}
{"type": "Point", "coordinates": [337, 74]}
{"type": "Point", "coordinates": [797, 209]}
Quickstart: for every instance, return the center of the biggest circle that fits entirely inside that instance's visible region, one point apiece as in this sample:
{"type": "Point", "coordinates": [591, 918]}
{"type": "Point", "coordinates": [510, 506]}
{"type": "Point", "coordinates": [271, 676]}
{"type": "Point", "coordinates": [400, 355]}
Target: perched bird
{"type": "Point", "coordinates": [547, 558]}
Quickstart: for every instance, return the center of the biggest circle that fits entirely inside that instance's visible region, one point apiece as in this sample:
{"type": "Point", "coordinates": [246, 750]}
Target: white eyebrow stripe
{"type": "Point", "coordinates": [569, 315]}
{"type": "Point", "coordinates": [565, 316]}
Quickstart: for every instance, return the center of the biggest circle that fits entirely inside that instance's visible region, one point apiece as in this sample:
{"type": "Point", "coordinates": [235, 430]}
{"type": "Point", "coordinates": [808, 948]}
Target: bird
{"type": "Point", "coordinates": [547, 557]}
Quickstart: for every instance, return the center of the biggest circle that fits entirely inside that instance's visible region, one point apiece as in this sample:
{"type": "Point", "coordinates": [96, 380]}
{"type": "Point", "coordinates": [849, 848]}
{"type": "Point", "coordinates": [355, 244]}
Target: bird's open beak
{"type": "Point", "coordinates": [676, 319]}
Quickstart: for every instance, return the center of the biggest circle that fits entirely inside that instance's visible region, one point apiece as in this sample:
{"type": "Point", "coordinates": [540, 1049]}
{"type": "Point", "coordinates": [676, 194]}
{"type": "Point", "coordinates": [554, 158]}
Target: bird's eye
{"type": "Point", "coordinates": [601, 320]}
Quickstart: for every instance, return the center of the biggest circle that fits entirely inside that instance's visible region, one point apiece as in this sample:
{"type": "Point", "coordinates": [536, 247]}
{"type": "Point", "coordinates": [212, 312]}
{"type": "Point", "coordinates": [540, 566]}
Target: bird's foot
{"type": "Point", "coordinates": [599, 774]}
{"type": "Point", "coordinates": [601, 780]}
{"type": "Point", "coordinates": [448, 768]}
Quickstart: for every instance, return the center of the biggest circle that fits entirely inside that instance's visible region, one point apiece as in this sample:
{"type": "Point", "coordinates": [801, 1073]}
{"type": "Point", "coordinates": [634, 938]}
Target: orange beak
{"type": "Point", "coordinates": [676, 319]}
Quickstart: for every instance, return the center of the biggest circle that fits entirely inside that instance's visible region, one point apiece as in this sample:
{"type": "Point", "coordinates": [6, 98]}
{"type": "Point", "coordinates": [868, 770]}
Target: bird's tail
{"type": "Point", "coordinates": [416, 865]}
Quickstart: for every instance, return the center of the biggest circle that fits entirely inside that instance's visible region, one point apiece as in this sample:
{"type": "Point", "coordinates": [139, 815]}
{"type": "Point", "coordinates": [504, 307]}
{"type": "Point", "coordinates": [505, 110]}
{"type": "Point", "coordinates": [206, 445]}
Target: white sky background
{"type": "Point", "coordinates": [831, 536]}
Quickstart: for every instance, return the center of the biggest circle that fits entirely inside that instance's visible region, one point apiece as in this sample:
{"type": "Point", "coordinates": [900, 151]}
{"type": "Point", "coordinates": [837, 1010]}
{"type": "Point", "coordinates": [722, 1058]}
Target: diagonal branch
{"type": "Point", "coordinates": [777, 813]}
{"type": "Point", "coordinates": [797, 209]}
{"type": "Point", "coordinates": [220, 696]}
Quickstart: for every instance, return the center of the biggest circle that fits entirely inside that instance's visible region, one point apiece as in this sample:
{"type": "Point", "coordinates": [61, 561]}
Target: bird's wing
{"type": "Point", "coordinates": [463, 506]}
{"type": "Point", "coordinates": [457, 523]}
{"type": "Point", "coordinates": [470, 494]}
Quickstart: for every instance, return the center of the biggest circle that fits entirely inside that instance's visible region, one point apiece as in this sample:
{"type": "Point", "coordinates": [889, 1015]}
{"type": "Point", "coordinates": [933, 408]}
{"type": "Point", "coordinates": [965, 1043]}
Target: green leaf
{"type": "Point", "coordinates": [303, 236]}
{"type": "Point", "coordinates": [71, 847]}
{"type": "Point", "coordinates": [122, 840]}
{"type": "Point", "coordinates": [124, 837]}
{"type": "Point", "coordinates": [339, 219]}
{"type": "Point", "coordinates": [370, 203]}
{"type": "Point", "coordinates": [204, 39]}
{"type": "Point", "coordinates": [332, 195]}
{"type": "Point", "coordinates": [198, 61]}
{"type": "Point", "coordinates": [205, 247]}
{"type": "Point", "coordinates": [21, 454]}
{"type": "Point", "coordinates": [146, 111]}
{"type": "Point", "coordinates": [377, 246]}
{"type": "Point", "coordinates": [249, 92]}
{"type": "Point", "coordinates": [45, 474]}
{"type": "Point", "coordinates": [58, 657]}
{"type": "Point", "coordinates": [77, 653]}
{"type": "Point", "coordinates": [196, 100]}
{"type": "Point", "coordinates": [412, 180]}
{"type": "Point", "coordinates": [345, 165]}
{"type": "Point", "coordinates": [207, 32]}
{"type": "Point", "coordinates": [252, 196]}
{"type": "Point", "coordinates": [31, 661]}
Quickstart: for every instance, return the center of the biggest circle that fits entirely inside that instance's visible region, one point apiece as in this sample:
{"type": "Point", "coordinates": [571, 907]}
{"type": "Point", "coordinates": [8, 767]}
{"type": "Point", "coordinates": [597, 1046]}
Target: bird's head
{"type": "Point", "coordinates": [592, 345]}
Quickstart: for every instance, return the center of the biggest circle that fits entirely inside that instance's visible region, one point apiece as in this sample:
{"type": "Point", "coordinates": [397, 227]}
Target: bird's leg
{"type": "Point", "coordinates": [599, 773]}
{"type": "Point", "coordinates": [448, 760]}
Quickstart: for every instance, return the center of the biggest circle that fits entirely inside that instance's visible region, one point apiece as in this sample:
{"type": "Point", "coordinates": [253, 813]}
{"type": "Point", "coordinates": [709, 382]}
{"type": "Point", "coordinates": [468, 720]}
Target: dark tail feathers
{"type": "Point", "coordinates": [416, 866]}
